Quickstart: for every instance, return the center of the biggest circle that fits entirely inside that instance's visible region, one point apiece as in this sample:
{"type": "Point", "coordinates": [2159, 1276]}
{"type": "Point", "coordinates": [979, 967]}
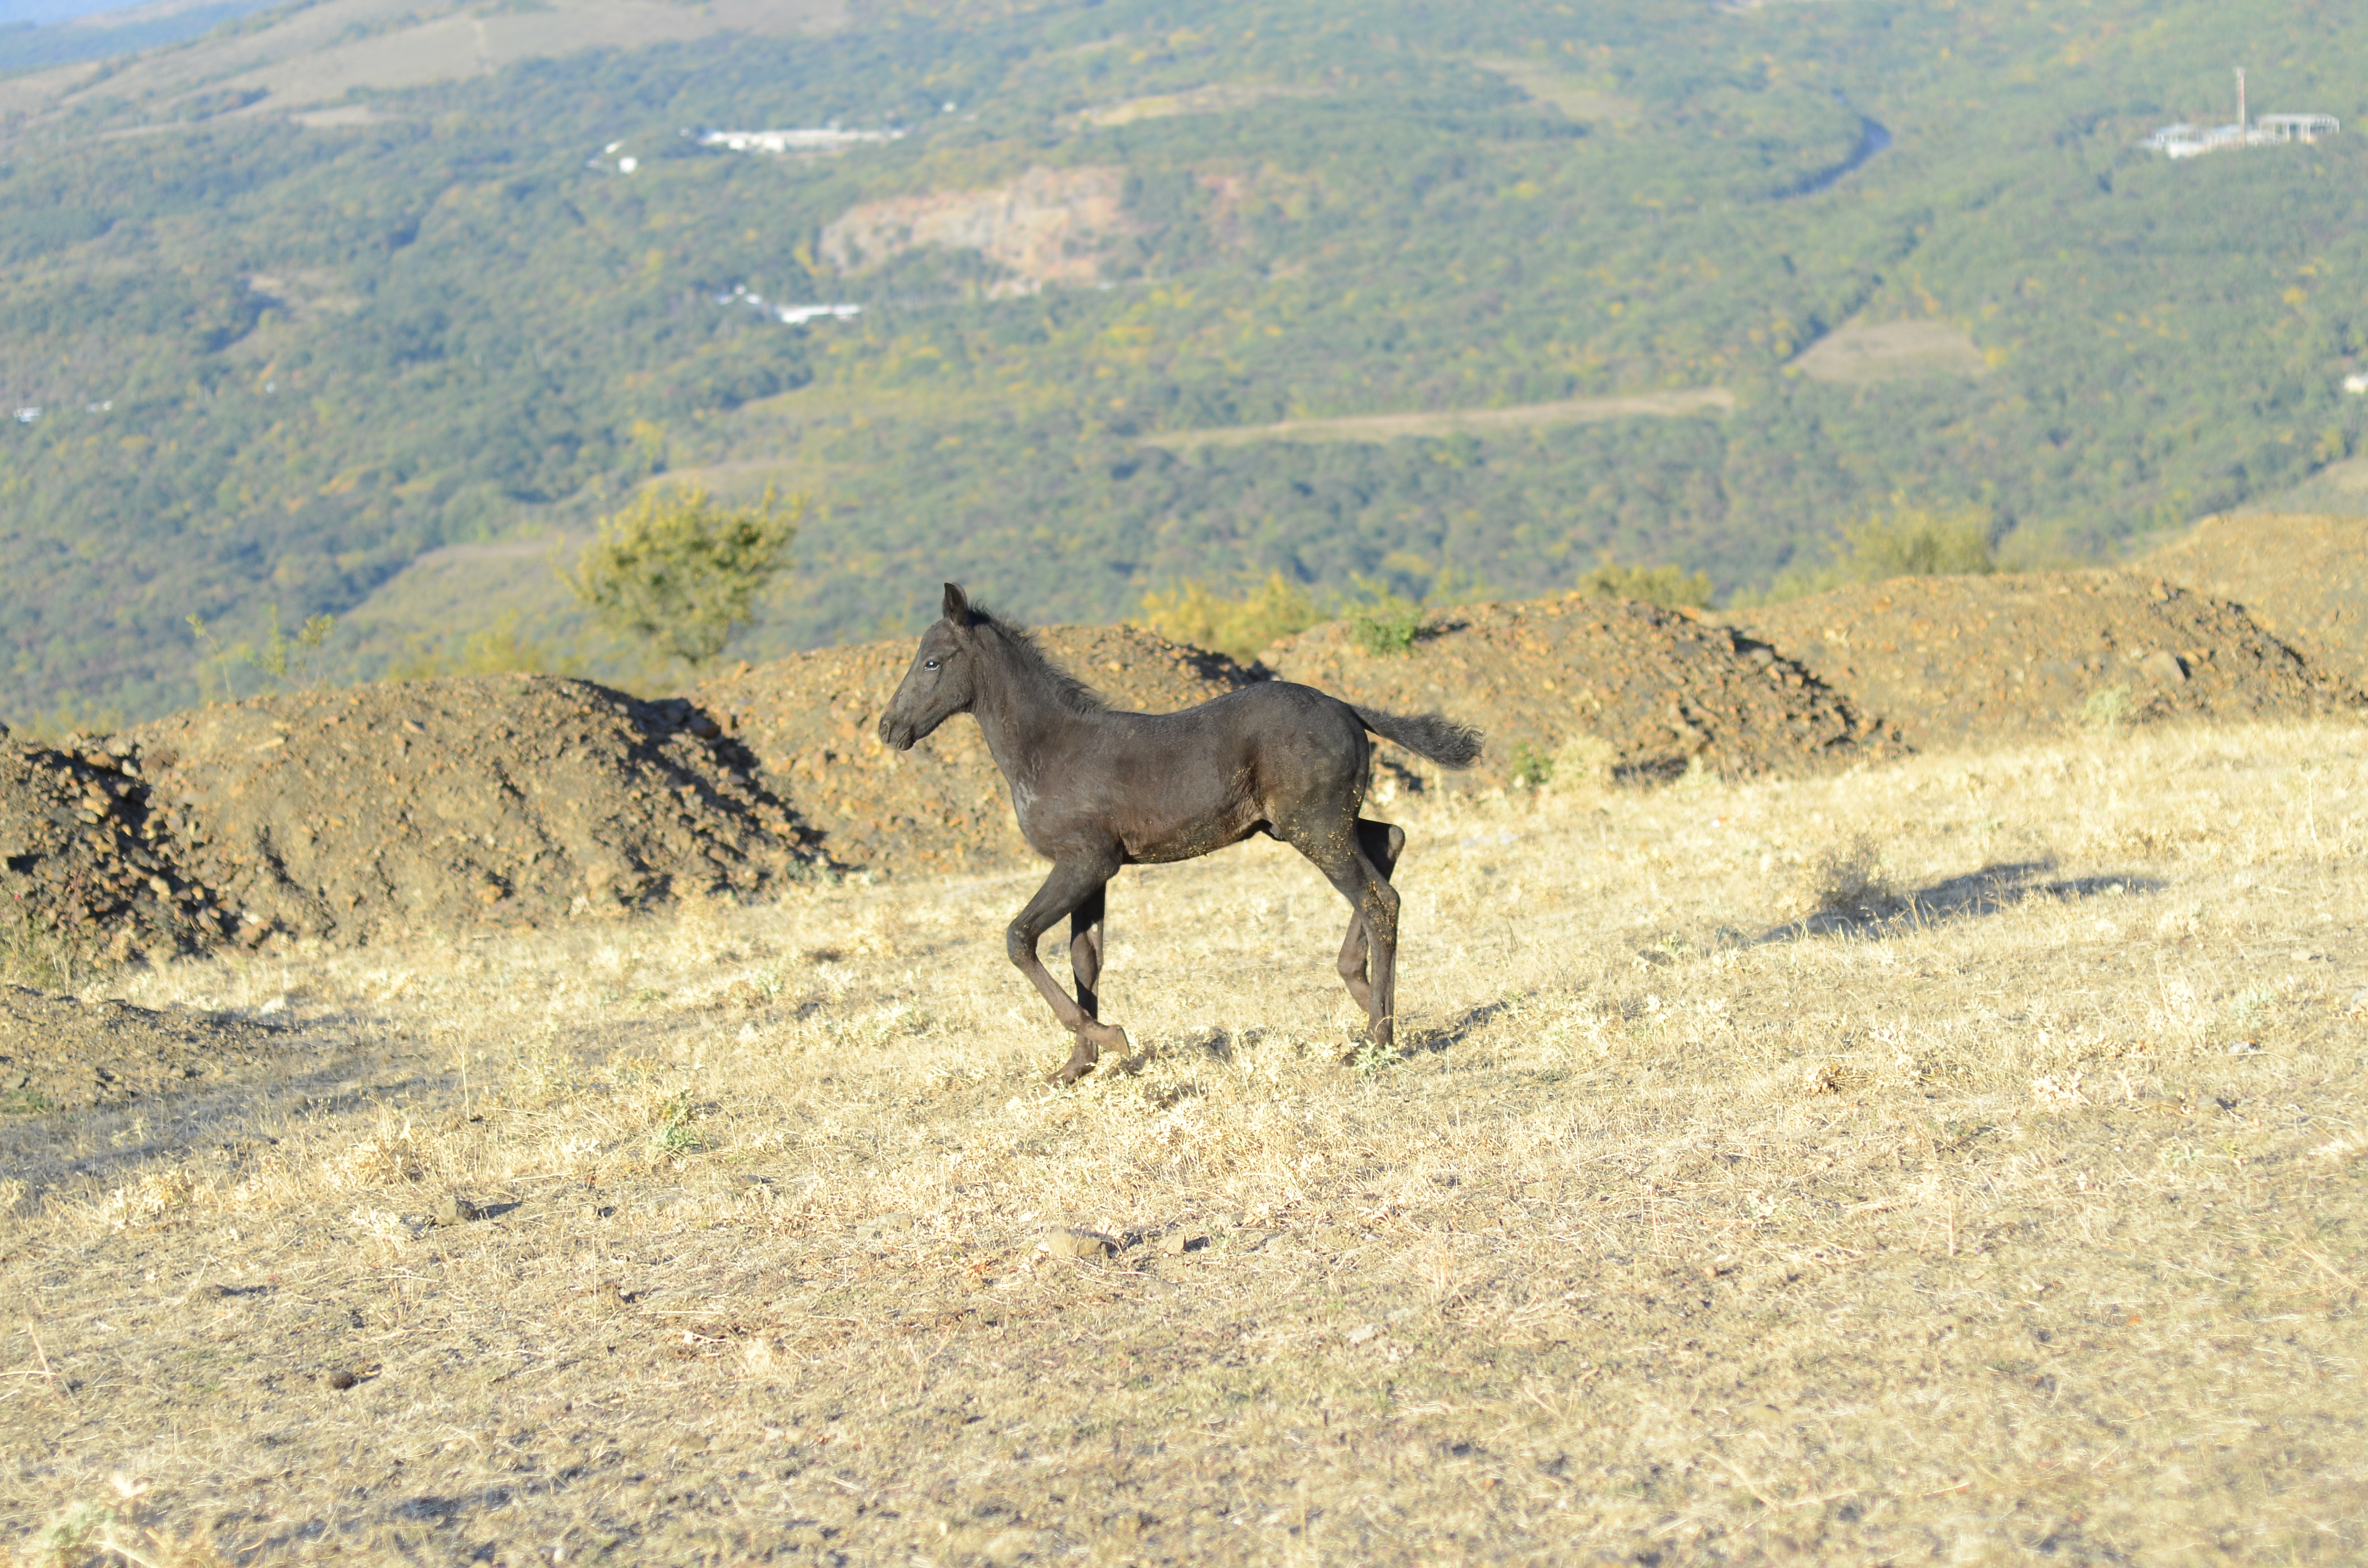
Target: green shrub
{"type": "Point", "coordinates": [500, 649]}
{"type": "Point", "coordinates": [295, 663]}
{"type": "Point", "coordinates": [1385, 624]}
{"type": "Point", "coordinates": [1242, 627]}
{"type": "Point", "coordinates": [1667, 586]}
{"type": "Point", "coordinates": [682, 572]}
{"type": "Point", "coordinates": [1904, 539]}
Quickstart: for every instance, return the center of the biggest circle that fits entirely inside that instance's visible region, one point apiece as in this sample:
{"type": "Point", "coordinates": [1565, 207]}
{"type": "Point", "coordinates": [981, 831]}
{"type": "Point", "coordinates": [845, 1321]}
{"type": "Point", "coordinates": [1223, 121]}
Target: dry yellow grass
{"type": "Point", "coordinates": [1957, 1161]}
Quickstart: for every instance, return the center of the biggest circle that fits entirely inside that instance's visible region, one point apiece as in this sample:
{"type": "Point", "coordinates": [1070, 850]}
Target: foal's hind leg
{"type": "Point", "coordinates": [1070, 886]}
{"type": "Point", "coordinates": [1381, 843]}
{"type": "Point", "coordinates": [1341, 858]}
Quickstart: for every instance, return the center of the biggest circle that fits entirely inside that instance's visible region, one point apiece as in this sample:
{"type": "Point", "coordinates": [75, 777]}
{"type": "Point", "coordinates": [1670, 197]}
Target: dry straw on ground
{"type": "Point", "coordinates": [2023, 1218]}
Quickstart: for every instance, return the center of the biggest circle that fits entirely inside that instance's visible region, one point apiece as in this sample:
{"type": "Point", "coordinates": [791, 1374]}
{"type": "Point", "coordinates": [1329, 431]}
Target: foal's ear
{"type": "Point", "coordinates": [957, 606]}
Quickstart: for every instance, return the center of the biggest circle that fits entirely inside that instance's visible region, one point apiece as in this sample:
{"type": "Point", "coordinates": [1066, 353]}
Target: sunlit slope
{"type": "Point", "coordinates": [309, 54]}
{"type": "Point", "coordinates": [313, 322]}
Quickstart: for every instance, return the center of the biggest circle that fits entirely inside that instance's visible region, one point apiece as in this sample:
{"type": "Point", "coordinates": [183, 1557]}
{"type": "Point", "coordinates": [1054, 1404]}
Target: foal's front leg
{"type": "Point", "coordinates": [1069, 889]}
{"type": "Point", "coordinates": [1086, 949]}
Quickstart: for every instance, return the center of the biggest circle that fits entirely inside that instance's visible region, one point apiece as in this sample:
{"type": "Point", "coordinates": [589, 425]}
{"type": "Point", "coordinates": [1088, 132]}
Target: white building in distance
{"type": "Point", "coordinates": [2185, 140]}
{"type": "Point", "coordinates": [816, 139]}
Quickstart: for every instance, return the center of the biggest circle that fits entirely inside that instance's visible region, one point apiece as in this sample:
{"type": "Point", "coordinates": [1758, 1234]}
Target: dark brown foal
{"type": "Point", "coordinates": [1096, 789]}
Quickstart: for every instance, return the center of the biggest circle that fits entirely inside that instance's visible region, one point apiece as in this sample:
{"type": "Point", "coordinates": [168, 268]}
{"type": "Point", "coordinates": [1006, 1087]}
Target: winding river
{"type": "Point", "coordinates": [1872, 137]}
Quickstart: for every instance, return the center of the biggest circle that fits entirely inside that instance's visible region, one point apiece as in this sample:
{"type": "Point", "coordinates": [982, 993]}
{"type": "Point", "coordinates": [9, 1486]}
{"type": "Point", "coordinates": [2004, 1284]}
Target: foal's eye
{"type": "Point", "coordinates": [928, 664]}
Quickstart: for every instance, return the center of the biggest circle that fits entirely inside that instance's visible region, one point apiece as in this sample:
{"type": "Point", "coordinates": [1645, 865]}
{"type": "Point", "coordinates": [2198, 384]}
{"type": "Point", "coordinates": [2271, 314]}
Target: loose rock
{"type": "Point", "coordinates": [1088, 1244]}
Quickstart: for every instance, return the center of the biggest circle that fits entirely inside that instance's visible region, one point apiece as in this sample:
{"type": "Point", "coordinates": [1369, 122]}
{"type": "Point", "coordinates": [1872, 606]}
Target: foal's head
{"type": "Point", "coordinates": [943, 680]}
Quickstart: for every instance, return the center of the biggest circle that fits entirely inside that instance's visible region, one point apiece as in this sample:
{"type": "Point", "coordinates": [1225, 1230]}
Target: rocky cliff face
{"type": "Point", "coordinates": [1047, 226]}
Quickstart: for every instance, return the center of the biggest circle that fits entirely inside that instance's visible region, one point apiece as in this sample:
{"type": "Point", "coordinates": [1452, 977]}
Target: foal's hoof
{"type": "Point", "coordinates": [1088, 1051]}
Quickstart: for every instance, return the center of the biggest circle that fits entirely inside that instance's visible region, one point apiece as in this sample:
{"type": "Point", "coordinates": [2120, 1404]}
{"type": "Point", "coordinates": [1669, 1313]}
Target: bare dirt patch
{"type": "Point", "coordinates": [2030, 1225]}
{"type": "Point", "coordinates": [1893, 351]}
{"type": "Point", "coordinates": [1961, 661]}
{"type": "Point", "coordinates": [58, 1054]}
{"type": "Point", "coordinates": [1450, 422]}
{"type": "Point", "coordinates": [357, 815]}
{"type": "Point", "coordinates": [813, 721]}
{"type": "Point", "coordinates": [2304, 578]}
{"type": "Point", "coordinates": [1658, 689]}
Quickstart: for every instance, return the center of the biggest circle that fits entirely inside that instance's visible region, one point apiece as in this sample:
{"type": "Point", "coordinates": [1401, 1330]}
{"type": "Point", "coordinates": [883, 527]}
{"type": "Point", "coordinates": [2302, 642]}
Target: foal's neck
{"type": "Point", "coordinates": [1023, 717]}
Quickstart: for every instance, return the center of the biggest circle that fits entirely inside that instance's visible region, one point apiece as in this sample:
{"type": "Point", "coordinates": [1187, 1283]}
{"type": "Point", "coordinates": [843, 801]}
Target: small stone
{"type": "Point", "coordinates": [456, 1210]}
{"type": "Point", "coordinates": [341, 1380]}
{"type": "Point", "coordinates": [2244, 1048]}
{"type": "Point", "coordinates": [1088, 1244]}
{"type": "Point", "coordinates": [1363, 1332]}
{"type": "Point", "coordinates": [1175, 1244]}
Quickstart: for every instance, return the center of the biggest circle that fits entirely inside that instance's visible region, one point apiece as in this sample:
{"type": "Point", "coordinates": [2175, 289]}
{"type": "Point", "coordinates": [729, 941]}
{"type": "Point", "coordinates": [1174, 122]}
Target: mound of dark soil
{"type": "Point", "coordinates": [1660, 688]}
{"type": "Point", "coordinates": [2305, 580]}
{"type": "Point", "coordinates": [82, 869]}
{"type": "Point", "coordinates": [431, 805]}
{"type": "Point", "coordinates": [812, 720]}
{"type": "Point", "coordinates": [60, 1055]}
{"type": "Point", "coordinates": [1957, 660]}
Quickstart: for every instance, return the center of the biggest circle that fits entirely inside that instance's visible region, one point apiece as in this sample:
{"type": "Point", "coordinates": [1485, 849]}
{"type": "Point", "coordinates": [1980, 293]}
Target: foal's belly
{"type": "Point", "coordinates": [1153, 845]}
{"type": "Point", "coordinates": [1140, 837]}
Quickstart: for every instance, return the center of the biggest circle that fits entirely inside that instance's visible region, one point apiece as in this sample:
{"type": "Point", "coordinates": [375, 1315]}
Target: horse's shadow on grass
{"type": "Point", "coordinates": [1976, 895]}
{"type": "Point", "coordinates": [1453, 1032]}
{"type": "Point", "coordinates": [1214, 1044]}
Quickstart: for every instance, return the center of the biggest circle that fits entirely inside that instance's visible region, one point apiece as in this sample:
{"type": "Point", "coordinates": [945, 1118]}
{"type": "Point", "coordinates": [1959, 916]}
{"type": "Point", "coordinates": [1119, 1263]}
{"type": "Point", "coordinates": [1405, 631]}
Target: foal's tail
{"type": "Point", "coordinates": [1432, 735]}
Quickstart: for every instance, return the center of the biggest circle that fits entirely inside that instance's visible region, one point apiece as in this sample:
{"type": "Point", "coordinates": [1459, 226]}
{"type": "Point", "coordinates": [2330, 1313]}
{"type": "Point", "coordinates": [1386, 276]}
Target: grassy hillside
{"type": "Point", "coordinates": [284, 346]}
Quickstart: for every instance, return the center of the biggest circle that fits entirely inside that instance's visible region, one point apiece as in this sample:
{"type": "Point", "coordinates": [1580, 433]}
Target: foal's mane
{"type": "Point", "coordinates": [1035, 668]}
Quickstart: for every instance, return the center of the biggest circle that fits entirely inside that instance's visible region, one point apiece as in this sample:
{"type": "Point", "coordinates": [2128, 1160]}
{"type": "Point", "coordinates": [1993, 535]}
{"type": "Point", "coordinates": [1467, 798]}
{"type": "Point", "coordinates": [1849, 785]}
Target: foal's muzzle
{"type": "Point", "coordinates": [896, 732]}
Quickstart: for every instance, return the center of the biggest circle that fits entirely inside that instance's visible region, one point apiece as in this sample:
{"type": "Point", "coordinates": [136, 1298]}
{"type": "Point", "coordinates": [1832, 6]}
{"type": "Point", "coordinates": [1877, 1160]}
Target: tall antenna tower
{"type": "Point", "coordinates": [2241, 121]}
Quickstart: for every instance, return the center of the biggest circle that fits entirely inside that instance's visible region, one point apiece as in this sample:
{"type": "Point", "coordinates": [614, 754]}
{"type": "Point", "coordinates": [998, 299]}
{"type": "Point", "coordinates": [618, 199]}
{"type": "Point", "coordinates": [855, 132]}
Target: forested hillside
{"type": "Point", "coordinates": [282, 345]}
